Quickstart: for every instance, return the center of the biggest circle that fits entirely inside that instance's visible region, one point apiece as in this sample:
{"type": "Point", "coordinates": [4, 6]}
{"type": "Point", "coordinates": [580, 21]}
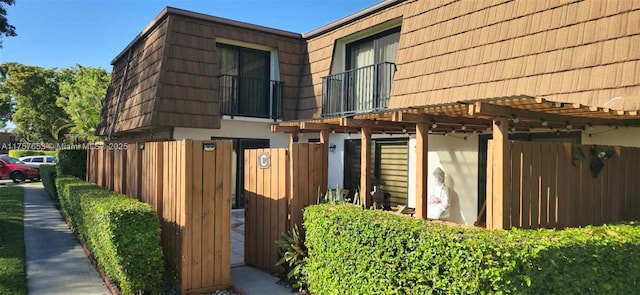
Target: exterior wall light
{"type": "Point", "coordinates": [332, 147]}
{"type": "Point", "coordinates": [544, 123]}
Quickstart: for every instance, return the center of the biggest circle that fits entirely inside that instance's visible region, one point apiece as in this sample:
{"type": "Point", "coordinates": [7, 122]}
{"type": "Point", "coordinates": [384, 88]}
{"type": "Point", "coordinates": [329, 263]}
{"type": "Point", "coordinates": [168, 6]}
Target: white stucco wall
{"type": "Point", "coordinates": [237, 128]}
{"type": "Point", "coordinates": [624, 136]}
{"type": "Point", "coordinates": [459, 160]}
{"type": "Point", "coordinates": [456, 156]}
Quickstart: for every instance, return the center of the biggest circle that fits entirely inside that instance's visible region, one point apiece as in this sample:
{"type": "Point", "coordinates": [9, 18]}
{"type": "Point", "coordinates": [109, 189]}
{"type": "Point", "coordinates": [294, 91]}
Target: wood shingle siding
{"type": "Point", "coordinates": [138, 93]}
{"type": "Point", "coordinates": [570, 51]}
{"type": "Point", "coordinates": [172, 81]}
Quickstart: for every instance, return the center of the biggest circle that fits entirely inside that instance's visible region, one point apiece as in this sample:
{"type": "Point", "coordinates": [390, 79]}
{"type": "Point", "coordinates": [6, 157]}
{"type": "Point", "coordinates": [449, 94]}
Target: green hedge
{"type": "Point", "coordinates": [122, 234]}
{"type": "Point", "coordinates": [24, 153]}
{"type": "Point", "coordinates": [375, 252]}
{"type": "Point", "coordinates": [72, 162]}
{"type": "Point", "coordinates": [48, 177]}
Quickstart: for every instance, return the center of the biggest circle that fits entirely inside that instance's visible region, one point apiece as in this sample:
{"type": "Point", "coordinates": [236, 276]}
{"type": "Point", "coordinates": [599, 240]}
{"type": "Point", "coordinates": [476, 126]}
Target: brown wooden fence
{"type": "Point", "coordinates": [276, 196]}
{"type": "Point", "coordinates": [188, 185]}
{"type": "Point", "coordinates": [553, 185]}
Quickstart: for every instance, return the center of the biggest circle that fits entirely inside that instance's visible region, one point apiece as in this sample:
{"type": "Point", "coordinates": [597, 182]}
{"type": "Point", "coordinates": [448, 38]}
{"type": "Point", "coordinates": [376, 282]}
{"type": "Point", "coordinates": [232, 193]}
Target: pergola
{"type": "Point", "coordinates": [497, 115]}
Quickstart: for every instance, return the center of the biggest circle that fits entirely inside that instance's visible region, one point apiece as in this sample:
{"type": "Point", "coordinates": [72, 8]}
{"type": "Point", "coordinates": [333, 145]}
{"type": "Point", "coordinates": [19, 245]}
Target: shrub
{"type": "Point", "coordinates": [72, 163]}
{"type": "Point", "coordinates": [24, 153]}
{"type": "Point", "coordinates": [48, 176]}
{"type": "Point", "coordinates": [292, 253]}
{"type": "Point", "coordinates": [374, 252]}
{"type": "Point", "coordinates": [122, 234]}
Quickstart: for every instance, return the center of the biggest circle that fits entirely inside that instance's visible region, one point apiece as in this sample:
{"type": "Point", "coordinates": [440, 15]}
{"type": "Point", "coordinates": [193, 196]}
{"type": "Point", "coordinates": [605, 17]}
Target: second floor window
{"type": "Point", "coordinates": [245, 85]}
{"type": "Point", "coordinates": [365, 85]}
{"type": "Point", "coordinates": [376, 49]}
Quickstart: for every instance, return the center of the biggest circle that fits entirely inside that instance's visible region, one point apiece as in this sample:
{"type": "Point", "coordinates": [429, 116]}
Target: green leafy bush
{"type": "Point", "coordinates": [24, 153]}
{"type": "Point", "coordinates": [48, 176]}
{"type": "Point", "coordinates": [122, 234]}
{"type": "Point", "coordinates": [292, 253]}
{"type": "Point", "coordinates": [72, 163]}
{"type": "Point", "coordinates": [374, 252]}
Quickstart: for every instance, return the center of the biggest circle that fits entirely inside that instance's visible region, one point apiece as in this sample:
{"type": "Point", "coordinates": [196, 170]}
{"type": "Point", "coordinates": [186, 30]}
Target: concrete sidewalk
{"type": "Point", "coordinates": [55, 261]}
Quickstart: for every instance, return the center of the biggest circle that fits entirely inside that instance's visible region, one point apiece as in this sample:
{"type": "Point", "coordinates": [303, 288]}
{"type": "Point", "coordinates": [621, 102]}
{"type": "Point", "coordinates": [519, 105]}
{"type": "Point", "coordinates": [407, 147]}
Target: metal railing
{"type": "Point", "coordinates": [250, 97]}
{"type": "Point", "coordinates": [360, 90]}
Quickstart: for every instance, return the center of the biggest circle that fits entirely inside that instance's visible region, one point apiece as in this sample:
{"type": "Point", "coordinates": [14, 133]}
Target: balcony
{"type": "Point", "coordinates": [249, 97]}
{"type": "Point", "coordinates": [361, 90]}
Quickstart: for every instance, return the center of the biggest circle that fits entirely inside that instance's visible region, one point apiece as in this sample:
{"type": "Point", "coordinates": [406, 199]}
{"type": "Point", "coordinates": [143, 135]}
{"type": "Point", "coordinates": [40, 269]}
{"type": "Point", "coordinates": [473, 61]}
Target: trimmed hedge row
{"type": "Point", "coordinates": [122, 234]}
{"type": "Point", "coordinates": [48, 177]}
{"type": "Point", "coordinates": [72, 162]}
{"type": "Point", "coordinates": [375, 252]}
{"type": "Point", "coordinates": [24, 153]}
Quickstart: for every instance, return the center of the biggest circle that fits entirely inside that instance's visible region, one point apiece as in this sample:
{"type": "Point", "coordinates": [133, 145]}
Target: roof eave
{"type": "Point", "coordinates": [176, 11]}
{"type": "Point", "coordinates": [350, 18]}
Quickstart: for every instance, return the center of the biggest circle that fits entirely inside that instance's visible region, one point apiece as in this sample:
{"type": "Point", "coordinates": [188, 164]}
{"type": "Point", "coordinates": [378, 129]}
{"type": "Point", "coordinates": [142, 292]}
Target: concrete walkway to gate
{"type": "Point", "coordinates": [248, 279]}
{"type": "Point", "coordinates": [55, 261]}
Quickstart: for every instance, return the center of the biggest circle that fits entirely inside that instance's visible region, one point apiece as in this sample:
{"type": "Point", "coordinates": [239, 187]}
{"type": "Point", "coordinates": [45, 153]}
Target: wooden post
{"type": "Point", "coordinates": [324, 139]}
{"type": "Point", "coordinates": [365, 167]}
{"type": "Point", "coordinates": [422, 166]}
{"type": "Point", "coordinates": [498, 204]}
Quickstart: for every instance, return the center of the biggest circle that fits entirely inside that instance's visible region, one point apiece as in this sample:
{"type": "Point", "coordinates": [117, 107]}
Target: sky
{"type": "Point", "coordinates": [62, 33]}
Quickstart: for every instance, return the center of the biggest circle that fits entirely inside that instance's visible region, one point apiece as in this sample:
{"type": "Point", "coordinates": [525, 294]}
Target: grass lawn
{"type": "Point", "coordinates": [12, 270]}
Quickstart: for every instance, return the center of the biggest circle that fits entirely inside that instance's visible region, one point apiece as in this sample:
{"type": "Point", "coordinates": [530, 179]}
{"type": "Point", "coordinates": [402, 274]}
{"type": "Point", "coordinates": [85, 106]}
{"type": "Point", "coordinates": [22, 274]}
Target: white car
{"type": "Point", "coordinates": [37, 160]}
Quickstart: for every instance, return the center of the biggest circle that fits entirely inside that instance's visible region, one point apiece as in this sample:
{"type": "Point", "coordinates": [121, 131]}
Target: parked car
{"type": "Point", "coordinates": [17, 170]}
{"type": "Point", "coordinates": [37, 160]}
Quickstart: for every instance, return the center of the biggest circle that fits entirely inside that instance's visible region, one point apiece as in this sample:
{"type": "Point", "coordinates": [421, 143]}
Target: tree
{"type": "Point", "coordinates": [82, 92]}
{"type": "Point", "coordinates": [32, 93]}
{"type": "Point", "coordinates": [5, 28]}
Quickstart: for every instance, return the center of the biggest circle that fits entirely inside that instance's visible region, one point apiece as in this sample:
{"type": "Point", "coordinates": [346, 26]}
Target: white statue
{"type": "Point", "coordinates": [438, 201]}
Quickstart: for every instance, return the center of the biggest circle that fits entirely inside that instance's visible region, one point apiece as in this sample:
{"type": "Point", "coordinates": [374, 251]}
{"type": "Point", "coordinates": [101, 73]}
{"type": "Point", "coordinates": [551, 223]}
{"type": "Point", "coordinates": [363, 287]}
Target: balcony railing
{"type": "Point", "coordinates": [249, 97]}
{"type": "Point", "coordinates": [360, 90]}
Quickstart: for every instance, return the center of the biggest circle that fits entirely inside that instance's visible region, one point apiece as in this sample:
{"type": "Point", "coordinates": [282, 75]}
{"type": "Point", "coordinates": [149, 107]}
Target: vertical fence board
{"type": "Point", "coordinates": [552, 182]}
{"type": "Point", "coordinates": [526, 186]}
{"type": "Point", "coordinates": [219, 212]}
{"type": "Point", "coordinates": [199, 220]}
{"type": "Point", "coordinates": [204, 177]}
{"type": "Point", "coordinates": [249, 181]}
{"type": "Point", "coordinates": [260, 216]}
{"type": "Point", "coordinates": [224, 202]}
{"type": "Point", "coordinates": [133, 171]}
{"type": "Point", "coordinates": [516, 178]}
{"type": "Point", "coordinates": [535, 184]}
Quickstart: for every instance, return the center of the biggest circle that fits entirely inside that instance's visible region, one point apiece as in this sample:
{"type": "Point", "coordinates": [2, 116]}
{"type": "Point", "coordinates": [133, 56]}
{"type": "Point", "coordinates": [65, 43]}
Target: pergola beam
{"type": "Point", "coordinates": [376, 124]}
{"type": "Point", "coordinates": [487, 109]}
{"type": "Point", "coordinates": [285, 129]}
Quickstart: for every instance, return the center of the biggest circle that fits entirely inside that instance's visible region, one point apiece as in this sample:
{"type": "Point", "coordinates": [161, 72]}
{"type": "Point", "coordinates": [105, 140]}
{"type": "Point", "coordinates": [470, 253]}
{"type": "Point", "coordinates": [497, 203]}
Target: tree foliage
{"type": "Point", "coordinates": [33, 92]}
{"type": "Point", "coordinates": [5, 28]}
{"type": "Point", "coordinates": [82, 93]}
{"type": "Point", "coordinates": [51, 105]}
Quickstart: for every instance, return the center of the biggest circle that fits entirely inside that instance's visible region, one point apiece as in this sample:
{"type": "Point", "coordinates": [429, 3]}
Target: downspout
{"type": "Point", "coordinates": [124, 81]}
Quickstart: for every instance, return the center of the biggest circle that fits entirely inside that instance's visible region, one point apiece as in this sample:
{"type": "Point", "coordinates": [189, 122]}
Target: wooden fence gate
{"type": "Point", "coordinates": [278, 184]}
